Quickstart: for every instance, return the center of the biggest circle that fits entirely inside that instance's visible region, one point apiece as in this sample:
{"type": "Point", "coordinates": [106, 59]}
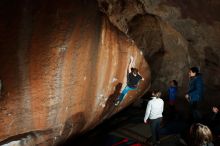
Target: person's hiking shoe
{"type": "Point", "coordinates": [182, 142]}
{"type": "Point", "coordinates": [117, 103]}
{"type": "Point", "coordinates": [158, 142]}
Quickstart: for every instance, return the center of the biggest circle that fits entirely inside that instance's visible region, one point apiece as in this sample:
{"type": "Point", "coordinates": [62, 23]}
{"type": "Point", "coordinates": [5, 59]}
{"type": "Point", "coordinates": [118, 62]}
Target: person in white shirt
{"type": "Point", "coordinates": [154, 112]}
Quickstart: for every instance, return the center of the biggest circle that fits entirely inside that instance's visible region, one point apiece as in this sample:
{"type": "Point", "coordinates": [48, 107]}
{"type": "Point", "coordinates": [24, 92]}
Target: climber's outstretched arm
{"type": "Point", "coordinates": [130, 64]}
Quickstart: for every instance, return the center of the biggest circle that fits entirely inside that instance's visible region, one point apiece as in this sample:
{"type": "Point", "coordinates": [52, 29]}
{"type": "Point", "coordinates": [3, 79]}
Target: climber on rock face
{"type": "Point", "coordinates": [133, 78]}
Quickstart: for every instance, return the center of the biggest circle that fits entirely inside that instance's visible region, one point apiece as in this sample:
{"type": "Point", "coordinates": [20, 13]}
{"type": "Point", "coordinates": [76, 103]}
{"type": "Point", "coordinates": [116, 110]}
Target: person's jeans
{"type": "Point", "coordinates": [124, 92]}
{"type": "Point", "coordinates": [155, 129]}
{"type": "Point", "coordinates": [195, 113]}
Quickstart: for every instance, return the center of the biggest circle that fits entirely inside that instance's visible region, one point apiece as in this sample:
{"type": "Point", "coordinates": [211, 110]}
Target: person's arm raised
{"type": "Point", "coordinates": [130, 64]}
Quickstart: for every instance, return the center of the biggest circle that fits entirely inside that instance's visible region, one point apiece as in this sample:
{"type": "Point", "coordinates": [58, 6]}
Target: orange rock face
{"type": "Point", "coordinates": [62, 66]}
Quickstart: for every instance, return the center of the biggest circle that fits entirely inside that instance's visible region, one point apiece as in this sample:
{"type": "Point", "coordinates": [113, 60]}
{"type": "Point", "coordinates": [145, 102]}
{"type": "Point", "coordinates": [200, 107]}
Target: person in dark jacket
{"type": "Point", "coordinates": [133, 78]}
{"type": "Point", "coordinates": [216, 120]}
{"type": "Point", "coordinates": [213, 120]}
{"type": "Point", "coordinates": [195, 93]}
